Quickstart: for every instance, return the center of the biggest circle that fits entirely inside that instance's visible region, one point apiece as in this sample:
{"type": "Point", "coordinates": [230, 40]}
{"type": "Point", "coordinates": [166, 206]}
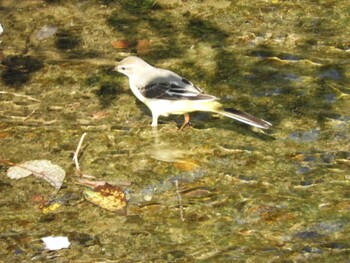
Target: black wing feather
{"type": "Point", "coordinates": [174, 90]}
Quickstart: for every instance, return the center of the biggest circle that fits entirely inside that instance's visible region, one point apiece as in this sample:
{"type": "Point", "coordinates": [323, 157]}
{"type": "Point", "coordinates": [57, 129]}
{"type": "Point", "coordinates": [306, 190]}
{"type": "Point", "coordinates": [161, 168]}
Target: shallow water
{"type": "Point", "coordinates": [280, 195]}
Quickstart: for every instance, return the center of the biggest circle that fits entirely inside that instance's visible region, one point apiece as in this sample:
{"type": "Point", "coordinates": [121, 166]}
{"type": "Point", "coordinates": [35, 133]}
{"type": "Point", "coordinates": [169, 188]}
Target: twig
{"type": "Point", "coordinates": [76, 155]}
{"type": "Point", "coordinates": [8, 162]}
{"type": "Point", "coordinates": [20, 95]}
{"type": "Point", "coordinates": [99, 183]}
{"type": "Point", "coordinates": [30, 114]}
{"type": "Point", "coordinates": [180, 200]}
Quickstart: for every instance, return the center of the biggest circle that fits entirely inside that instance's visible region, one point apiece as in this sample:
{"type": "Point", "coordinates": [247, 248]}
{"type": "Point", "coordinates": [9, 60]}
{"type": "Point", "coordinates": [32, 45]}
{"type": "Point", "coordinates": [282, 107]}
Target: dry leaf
{"type": "Point", "coordinates": [185, 166]}
{"type": "Point", "coordinates": [51, 208]}
{"type": "Point", "coordinates": [107, 196]}
{"type": "Point", "coordinates": [143, 46]}
{"type": "Point", "coordinates": [99, 115]}
{"type": "Point", "coordinates": [44, 169]}
{"type": "Point", "coordinates": [120, 44]}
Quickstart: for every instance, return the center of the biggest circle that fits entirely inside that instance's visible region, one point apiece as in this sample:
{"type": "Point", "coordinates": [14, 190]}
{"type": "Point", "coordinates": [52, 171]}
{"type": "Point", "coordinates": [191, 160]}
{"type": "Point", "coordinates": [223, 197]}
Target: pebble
{"type": "Point", "coordinates": [45, 32]}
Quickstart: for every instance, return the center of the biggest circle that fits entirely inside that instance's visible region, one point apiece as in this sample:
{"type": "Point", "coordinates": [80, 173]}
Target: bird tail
{"type": "Point", "coordinates": [244, 117]}
{"type": "Point", "coordinates": [216, 107]}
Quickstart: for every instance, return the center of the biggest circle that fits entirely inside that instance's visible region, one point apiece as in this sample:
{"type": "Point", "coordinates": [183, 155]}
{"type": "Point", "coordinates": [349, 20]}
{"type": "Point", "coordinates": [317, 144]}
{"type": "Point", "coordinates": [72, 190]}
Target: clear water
{"type": "Point", "coordinates": [247, 196]}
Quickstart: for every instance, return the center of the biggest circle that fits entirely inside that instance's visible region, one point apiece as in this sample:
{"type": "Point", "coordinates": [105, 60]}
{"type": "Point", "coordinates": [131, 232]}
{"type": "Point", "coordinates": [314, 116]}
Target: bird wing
{"type": "Point", "coordinates": [174, 89]}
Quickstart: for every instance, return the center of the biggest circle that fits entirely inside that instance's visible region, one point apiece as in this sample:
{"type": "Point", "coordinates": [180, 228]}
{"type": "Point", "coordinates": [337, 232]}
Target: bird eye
{"type": "Point", "coordinates": [123, 68]}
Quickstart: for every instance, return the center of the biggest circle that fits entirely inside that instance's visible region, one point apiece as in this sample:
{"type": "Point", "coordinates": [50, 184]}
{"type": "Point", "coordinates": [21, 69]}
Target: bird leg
{"type": "Point", "coordinates": [186, 121]}
{"type": "Point", "coordinates": [154, 120]}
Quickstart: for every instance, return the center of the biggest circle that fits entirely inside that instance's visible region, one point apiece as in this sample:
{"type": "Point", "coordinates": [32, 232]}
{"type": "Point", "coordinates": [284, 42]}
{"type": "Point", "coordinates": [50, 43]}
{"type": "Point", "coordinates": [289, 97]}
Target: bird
{"type": "Point", "coordinates": [165, 92]}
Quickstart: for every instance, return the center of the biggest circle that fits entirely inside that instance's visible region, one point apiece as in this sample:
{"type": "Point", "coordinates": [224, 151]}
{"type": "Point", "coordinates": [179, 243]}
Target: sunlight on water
{"type": "Point", "coordinates": [218, 191]}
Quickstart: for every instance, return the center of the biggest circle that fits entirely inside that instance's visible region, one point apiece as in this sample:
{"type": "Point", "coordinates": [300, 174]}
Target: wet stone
{"type": "Point", "coordinates": [337, 245]}
{"type": "Point", "coordinates": [174, 255]}
{"type": "Point", "coordinates": [315, 250]}
{"type": "Point", "coordinates": [84, 239]}
{"type": "Point", "coordinates": [46, 32]}
{"type": "Point", "coordinates": [331, 73]}
{"type": "Point", "coordinates": [308, 235]}
{"type": "Point", "coordinates": [303, 170]}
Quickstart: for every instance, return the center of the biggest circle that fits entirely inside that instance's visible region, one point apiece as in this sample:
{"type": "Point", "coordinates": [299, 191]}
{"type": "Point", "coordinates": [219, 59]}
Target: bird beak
{"type": "Point", "coordinates": [115, 68]}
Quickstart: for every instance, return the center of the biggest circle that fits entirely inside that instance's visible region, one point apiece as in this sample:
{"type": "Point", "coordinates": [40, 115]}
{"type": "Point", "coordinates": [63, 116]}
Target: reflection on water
{"type": "Point", "coordinates": [244, 194]}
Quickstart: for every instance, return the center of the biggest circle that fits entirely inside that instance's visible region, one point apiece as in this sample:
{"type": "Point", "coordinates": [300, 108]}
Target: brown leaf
{"type": "Point", "coordinates": [143, 46]}
{"type": "Point", "coordinates": [185, 166]}
{"type": "Point", "coordinates": [109, 197]}
{"type": "Point", "coordinates": [120, 44]}
{"type": "Point", "coordinates": [99, 115]}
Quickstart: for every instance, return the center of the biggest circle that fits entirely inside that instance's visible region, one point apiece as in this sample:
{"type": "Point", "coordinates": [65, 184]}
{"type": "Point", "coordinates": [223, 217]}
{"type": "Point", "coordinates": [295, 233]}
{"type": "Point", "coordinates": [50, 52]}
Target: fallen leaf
{"type": "Point", "coordinates": [3, 135]}
{"type": "Point", "coordinates": [107, 196]}
{"type": "Point", "coordinates": [52, 173]}
{"type": "Point", "coordinates": [185, 166]}
{"type": "Point", "coordinates": [143, 46]}
{"type": "Point", "coordinates": [197, 192]}
{"type": "Point", "coordinates": [38, 200]}
{"type": "Point", "coordinates": [50, 208]}
{"type": "Point", "coordinates": [99, 115]}
{"type": "Point", "coordinates": [120, 44]}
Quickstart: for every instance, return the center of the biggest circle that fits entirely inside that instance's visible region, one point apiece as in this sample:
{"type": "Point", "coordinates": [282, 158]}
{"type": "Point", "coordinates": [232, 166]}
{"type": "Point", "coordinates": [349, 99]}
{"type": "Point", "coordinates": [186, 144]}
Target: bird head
{"type": "Point", "coordinates": [131, 65]}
